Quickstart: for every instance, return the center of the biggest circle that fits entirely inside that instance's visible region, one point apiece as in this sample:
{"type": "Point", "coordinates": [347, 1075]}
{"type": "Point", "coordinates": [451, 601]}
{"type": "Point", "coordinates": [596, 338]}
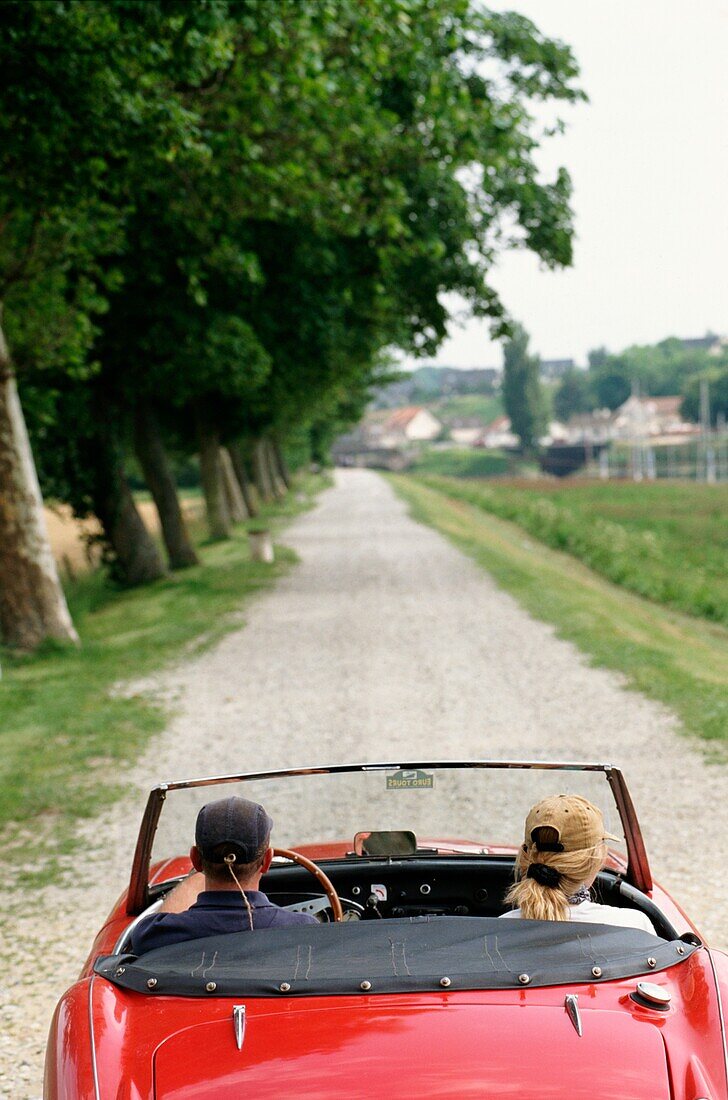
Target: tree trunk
{"type": "Point", "coordinates": [136, 557]}
{"type": "Point", "coordinates": [218, 515]}
{"type": "Point", "coordinates": [281, 464]}
{"type": "Point", "coordinates": [248, 491]}
{"type": "Point", "coordinates": [261, 474]}
{"type": "Point", "coordinates": [152, 457]}
{"type": "Point", "coordinates": [279, 489]}
{"type": "Point", "coordinates": [233, 494]}
{"type": "Point", "coordinates": [32, 604]}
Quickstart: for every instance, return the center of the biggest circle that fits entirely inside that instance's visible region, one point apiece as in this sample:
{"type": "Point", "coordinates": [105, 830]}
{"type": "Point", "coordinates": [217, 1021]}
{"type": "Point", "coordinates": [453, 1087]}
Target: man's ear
{"type": "Point", "coordinates": [266, 861]}
{"type": "Point", "coordinates": [195, 857]}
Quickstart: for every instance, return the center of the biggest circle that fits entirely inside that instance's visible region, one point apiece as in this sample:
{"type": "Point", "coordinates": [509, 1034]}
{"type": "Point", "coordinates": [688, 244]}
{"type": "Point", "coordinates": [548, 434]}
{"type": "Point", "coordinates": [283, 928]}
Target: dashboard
{"type": "Point", "coordinates": [372, 889]}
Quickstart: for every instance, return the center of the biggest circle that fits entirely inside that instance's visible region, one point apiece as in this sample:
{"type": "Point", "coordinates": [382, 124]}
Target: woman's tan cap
{"type": "Point", "coordinates": [578, 822]}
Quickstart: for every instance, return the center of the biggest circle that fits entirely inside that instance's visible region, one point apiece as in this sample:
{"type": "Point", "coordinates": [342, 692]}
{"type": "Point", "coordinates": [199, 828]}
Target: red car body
{"type": "Point", "coordinates": [112, 1043]}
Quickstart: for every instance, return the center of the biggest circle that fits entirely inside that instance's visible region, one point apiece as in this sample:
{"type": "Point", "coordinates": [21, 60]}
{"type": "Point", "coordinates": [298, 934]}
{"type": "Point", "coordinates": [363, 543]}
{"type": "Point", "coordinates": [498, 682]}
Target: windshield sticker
{"type": "Point", "coordinates": [405, 780]}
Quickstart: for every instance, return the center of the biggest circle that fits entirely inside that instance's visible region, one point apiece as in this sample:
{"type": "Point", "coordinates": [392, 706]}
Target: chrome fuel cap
{"type": "Point", "coordinates": [654, 996]}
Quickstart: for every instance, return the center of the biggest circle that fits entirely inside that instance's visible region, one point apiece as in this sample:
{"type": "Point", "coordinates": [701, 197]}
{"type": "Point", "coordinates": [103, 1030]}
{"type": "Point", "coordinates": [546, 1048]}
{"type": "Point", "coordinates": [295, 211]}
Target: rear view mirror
{"type": "Point", "coordinates": [395, 842]}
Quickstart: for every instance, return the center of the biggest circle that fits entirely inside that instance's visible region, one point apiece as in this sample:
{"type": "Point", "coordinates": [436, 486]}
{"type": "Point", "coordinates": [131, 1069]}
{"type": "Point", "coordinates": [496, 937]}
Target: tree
{"type": "Point", "coordinates": [336, 168]}
{"type": "Point", "coordinates": [522, 394]}
{"type": "Point", "coordinates": [88, 89]}
{"type": "Point", "coordinates": [660, 370]}
{"type": "Point", "coordinates": [573, 394]}
{"type": "Point", "coordinates": [717, 380]}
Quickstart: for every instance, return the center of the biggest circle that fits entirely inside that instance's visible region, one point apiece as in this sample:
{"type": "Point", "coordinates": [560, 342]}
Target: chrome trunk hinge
{"type": "Point", "coordinates": [571, 1004]}
{"type": "Point", "coordinates": [239, 1024]}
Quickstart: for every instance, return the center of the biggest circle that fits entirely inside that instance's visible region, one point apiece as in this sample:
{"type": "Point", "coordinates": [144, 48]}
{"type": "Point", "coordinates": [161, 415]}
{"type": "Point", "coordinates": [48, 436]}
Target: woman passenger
{"type": "Point", "coordinates": [564, 849]}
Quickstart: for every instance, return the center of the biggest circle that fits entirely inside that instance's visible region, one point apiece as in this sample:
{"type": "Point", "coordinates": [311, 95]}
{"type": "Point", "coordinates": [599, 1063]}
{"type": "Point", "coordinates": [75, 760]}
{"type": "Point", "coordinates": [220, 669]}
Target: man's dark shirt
{"type": "Point", "coordinates": [215, 913]}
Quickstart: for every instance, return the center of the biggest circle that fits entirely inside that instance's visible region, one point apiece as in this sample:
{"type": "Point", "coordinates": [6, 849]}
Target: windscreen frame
{"type": "Point", "coordinates": [637, 872]}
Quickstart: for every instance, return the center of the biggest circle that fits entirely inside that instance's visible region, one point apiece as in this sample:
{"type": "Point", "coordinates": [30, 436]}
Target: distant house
{"type": "Point", "coordinates": [497, 434]}
{"type": "Point", "coordinates": [711, 342]}
{"type": "Point", "coordinates": [555, 433]}
{"type": "Point", "coordinates": [552, 369]}
{"type": "Point", "coordinates": [653, 417]}
{"type": "Point", "coordinates": [413, 424]}
{"type": "Point", "coordinates": [592, 427]}
{"type": "Point", "coordinates": [466, 430]}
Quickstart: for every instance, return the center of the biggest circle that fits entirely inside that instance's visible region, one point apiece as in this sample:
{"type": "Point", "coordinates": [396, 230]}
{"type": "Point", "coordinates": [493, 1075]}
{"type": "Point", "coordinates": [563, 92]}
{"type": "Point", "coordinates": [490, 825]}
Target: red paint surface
{"type": "Point", "coordinates": [515, 1043]}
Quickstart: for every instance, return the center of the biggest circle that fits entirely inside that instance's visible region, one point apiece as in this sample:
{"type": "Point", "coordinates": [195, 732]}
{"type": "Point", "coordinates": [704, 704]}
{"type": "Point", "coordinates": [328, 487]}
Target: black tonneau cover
{"type": "Point", "coordinates": [395, 956]}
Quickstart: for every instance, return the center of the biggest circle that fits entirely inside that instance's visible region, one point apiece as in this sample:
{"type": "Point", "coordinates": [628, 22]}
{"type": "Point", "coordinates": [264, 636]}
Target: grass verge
{"type": "Point", "coordinates": [666, 542]}
{"type": "Point", "coordinates": [676, 659]}
{"type": "Point", "coordinates": [65, 734]}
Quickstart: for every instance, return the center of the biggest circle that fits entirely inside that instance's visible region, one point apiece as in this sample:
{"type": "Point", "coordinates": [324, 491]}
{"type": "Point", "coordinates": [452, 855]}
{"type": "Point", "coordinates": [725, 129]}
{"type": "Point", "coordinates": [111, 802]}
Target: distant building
{"type": "Point", "coordinates": [552, 369]}
{"type": "Point", "coordinates": [475, 380]}
{"type": "Point", "coordinates": [555, 433]}
{"type": "Point", "coordinates": [465, 430]}
{"type": "Point", "coordinates": [413, 424]}
{"type": "Point", "coordinates": [497, 434]}
{"type": "Point", "coordinates": [592, 427]}
{"type": "Point", "coordinates": [431, 383]}
{"type": "Point", "coordinates": [651, 417]}
{"type": "Point", "coordinates": [711, 342]}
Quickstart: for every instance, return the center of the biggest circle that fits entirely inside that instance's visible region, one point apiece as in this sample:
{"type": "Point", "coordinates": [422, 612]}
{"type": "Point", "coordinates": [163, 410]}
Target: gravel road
{"type": "Point", "coordinates": [384, 642]}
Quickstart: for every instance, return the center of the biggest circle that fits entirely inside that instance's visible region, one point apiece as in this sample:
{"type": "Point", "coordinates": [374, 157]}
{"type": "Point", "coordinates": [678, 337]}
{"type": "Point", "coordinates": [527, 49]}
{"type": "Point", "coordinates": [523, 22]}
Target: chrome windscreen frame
{"type": "Point", "coordinates": [637, 873]}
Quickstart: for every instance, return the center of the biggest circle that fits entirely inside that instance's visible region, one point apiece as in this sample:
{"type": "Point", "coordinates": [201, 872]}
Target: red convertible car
{"type": "Point", "coordinates": [408, 985]}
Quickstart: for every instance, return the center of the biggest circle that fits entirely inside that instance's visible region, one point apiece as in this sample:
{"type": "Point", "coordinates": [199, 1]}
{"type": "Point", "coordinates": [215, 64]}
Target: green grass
{"type": "Point", "coordinates": [671, 657]}
{"type": "Point", "coordinates": [66, 734]}
{"type": "Point", "coordinates": [667, 542]}
{"type": "Point", "coordinates": [485, 406]}
{"type": "Point", "coordinates": [464, 462]}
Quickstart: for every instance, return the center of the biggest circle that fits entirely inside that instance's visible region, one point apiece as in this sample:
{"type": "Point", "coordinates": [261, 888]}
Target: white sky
{"type": "Point", "coordinates": [648, 156]}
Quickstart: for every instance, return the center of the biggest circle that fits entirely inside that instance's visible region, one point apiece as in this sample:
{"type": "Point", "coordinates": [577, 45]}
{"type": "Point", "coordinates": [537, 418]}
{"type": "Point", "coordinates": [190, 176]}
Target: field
{"type": "Point", "coordinates": [66, 732]}
{"type": "Point", "coordinates": [680, 660]}
{"type": "Point", "coordinates": [667, 542]}
{"type": "Point", "coordinates": [485, 406]}
{"type": "Point", "coordinates": [464, 462]}
{"type": "Point", "coordinates": [71, 539]}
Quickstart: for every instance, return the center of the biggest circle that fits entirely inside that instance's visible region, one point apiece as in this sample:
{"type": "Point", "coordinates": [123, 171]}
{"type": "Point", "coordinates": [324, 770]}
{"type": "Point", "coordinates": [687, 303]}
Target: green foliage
{"type": "Point", "coordinates": [455, 462]}
{"type": "Point", "coordinates": [239, 206]}
{"type": "Point", "coordinates": [664, 542]}
{"type": "Point", "coordinates": [657, 370]}
{"type": "Point", "coordinates": [89, 105]}
{"type": "Point", "coordinates": [574, 394]}
{"type": "Point", "coordinates": [66, 732]}
{"type": "Point", "coordinates": [717, 380]}
{"type": "Point", "coordinates": [679, 660]}
{"type": "Point", "coordinates": [485, 407]}
{"type": "Point", "coordinates": [523, 396]}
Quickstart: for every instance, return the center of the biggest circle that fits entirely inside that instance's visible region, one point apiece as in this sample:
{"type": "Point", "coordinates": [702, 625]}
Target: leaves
{"type": "Point", "coordinates": [244, 203]}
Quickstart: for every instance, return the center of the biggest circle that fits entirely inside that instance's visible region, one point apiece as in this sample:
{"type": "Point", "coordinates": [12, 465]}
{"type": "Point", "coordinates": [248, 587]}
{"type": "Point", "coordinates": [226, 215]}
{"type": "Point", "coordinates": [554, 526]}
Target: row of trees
{"type": "Point", "coordinates": [215, 218]}
{"type": "Point", "coordinates": [663, 369]}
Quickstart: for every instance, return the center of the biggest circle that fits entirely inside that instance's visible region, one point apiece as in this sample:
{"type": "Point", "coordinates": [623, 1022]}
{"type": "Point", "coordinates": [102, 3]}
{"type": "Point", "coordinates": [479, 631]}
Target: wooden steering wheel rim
{"type": "Point", "coordinates": [325, 882]}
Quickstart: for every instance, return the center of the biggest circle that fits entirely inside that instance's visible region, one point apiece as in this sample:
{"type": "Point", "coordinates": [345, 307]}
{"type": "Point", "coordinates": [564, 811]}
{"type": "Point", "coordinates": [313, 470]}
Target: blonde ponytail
{"type": "Point", "coordinates": [535, 899]}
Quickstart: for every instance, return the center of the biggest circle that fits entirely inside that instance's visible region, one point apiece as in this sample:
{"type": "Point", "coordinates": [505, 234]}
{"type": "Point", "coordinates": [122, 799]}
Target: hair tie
{"type": "Point", "coordinates": [544, 875]}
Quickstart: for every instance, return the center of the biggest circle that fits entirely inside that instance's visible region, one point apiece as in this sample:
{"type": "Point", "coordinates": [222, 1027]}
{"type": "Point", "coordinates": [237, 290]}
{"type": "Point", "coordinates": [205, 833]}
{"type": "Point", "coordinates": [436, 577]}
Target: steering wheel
{"type": "Point", "coordinates": [325, 882]}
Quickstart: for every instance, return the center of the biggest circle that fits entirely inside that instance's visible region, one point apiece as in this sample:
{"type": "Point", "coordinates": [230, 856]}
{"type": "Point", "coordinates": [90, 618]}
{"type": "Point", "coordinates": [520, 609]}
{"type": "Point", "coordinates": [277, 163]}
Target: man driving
{"type": "Point", "coordinates": [230, 854]}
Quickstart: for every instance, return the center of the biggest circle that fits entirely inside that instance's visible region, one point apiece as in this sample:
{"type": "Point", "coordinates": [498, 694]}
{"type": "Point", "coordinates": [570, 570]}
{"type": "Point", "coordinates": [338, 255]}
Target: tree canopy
{"type": "Point", "coordinates": [668, 368]}
{"type": "Point", "coordinates": [218, 217]}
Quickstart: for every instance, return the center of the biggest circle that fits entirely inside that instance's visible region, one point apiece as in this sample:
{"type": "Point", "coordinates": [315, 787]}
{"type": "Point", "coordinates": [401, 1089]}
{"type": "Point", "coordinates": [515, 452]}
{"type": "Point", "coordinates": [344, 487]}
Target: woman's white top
{"type": "Point", "coordinates": [594, 913]}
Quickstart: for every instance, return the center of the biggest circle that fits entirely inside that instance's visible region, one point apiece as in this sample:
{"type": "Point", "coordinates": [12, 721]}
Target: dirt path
{"type": "Point", "coordinates": [385, 641]}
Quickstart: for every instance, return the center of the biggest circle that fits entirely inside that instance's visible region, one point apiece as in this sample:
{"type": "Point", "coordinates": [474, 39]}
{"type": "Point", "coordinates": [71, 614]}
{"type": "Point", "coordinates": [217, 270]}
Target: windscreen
{"type": "Point", "coordinates": [472, 807]}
